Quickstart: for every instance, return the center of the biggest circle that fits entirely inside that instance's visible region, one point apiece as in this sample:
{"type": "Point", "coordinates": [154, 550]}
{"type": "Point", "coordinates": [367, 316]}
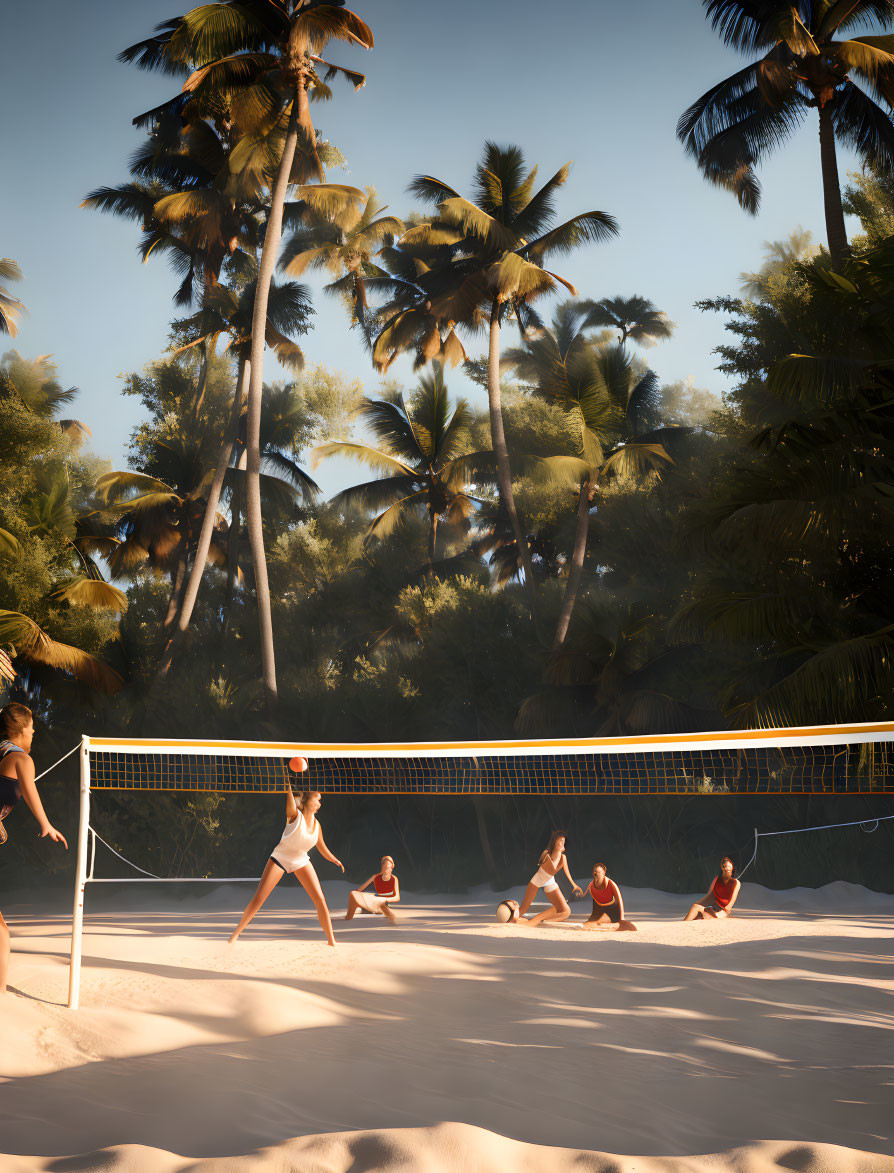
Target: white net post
{"type": "Point", "coordinates": [77, 922]}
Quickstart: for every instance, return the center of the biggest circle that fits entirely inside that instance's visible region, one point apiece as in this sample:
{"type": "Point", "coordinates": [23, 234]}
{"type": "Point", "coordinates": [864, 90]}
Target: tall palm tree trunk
{"type": "Point", "coordinates": [432, 536]}
{"type": "Point", "coordinates": [203, 379]}
{"type": "Point", "coordinates": [299, 115]}
{"type": "Point", "coordinates": [204, 542]}
{"type": "Point", "coordinates": [176, 594]}
{"type": "Point", "coordinates": [233, 542]}
{"type": "Point", "coordinates": [577, 564]}
{"type": "Point", "coordinates": [836, 233]}
{"type": "Point", "coordinates": [498, 439]}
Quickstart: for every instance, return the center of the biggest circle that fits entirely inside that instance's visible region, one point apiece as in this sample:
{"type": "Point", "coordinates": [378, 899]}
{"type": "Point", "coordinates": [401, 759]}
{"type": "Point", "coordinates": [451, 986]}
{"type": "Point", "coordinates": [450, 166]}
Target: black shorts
{"type": "Point", "coordinates": [612, 910]}
{"type": "Point", "coordinates": [276, 861]}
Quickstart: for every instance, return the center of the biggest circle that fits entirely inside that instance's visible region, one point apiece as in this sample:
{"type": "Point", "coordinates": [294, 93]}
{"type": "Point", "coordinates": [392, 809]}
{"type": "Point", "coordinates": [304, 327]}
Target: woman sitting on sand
{"type": "Point", "coordinates": [302, 832]}
{"type": "Point", "coordinates": [552, 861]}
{"type": "Point", "coordinates": [721, 896]}
{"type": "Point", "coordinates": [387, 891]}
{"type": "Point", "coordinates": [608, 904]}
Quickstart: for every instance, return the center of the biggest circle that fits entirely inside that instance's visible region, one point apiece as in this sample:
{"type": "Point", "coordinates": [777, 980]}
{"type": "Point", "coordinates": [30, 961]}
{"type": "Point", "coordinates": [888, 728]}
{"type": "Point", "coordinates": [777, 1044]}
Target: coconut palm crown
{"type": "Point", "coordinates": [806, 63]}
{"type": "Point", "coordinates": [423, 460]}
{"type": "Point", "coordinates": [479, 262]}
{"type": "Point", "coordinates": [635, 318]}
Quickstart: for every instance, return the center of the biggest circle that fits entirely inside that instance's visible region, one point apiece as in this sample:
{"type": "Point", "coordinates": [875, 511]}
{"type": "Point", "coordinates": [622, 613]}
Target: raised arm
{"type": "Point", "coordinates": [325, 852]}
{"type": "Point", "coordinates": [575, 887]}
{"type": "Point", "coordinates": [24, 765]}
{"type": "Point", "coordinates": [292, 810]}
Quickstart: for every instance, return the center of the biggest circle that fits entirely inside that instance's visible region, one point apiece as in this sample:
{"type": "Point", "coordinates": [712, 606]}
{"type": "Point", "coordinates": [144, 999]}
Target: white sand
{"type": "Point", "coordinates": [450, 1042]}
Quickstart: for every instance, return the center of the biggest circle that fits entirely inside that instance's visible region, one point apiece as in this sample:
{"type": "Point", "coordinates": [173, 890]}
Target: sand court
{"type": "Point", "coordinates": [756, 1039]}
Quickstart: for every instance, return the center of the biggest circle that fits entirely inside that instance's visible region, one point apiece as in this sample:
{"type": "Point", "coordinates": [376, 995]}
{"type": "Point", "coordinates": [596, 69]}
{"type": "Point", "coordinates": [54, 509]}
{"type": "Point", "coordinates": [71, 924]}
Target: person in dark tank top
{"type": "Point", "coordinates": [17, 781]}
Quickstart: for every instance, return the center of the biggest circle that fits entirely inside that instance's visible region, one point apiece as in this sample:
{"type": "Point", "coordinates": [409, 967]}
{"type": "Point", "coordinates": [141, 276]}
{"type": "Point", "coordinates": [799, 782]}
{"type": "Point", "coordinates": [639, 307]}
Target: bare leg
{"type": "Point", "coordinates": [307, 877]}
{"type": "Point", "coordinates": [700, 912]}
{"type": "Point", "coordinates": [600, 921]}
{"type": "Point", "coordinates": [273, 873]}
{"type": "Point", "coordinates": [530, 896]}
{"type": "Point", "coordinates": [559, 910]}
{"type": "Point", "coordinates": [353, 907]}
{"type": "Point", "coordinates": [386, 911]}
{"type": "Point", "coordinates": [4, 953]}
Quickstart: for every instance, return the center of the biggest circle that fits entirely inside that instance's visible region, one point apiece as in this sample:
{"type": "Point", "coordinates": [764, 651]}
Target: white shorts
{"type": "Point", "coordinates": [544, 880]}
{"type": "Point", "coordinates": [292, 865]}
{"type": "Point", "coordinates": [369, 902]}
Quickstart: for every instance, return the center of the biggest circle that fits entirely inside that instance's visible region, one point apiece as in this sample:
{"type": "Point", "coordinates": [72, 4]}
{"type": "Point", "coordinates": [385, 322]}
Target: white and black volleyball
{"type": "Point", "coordinates": [507, 911]}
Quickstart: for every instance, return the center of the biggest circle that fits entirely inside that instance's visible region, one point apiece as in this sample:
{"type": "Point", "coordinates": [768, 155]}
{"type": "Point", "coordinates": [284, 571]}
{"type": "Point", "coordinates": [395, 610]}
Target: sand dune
{"type": "Point", "coordinates": [766, 1039]}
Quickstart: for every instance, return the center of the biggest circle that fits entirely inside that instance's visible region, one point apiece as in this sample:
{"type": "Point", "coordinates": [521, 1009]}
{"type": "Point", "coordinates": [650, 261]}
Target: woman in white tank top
{"type": "Point", "coordinates": [551, 862]}
{"type": "Point", "coordinates": [302, 832]}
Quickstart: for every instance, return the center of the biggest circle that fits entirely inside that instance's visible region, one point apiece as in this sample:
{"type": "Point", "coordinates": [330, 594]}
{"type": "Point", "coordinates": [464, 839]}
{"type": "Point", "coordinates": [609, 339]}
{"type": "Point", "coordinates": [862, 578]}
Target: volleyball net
{"type": "Point", "coordinates": [829, 760]}
{"type": "Point", "coordinates": [853, 759]}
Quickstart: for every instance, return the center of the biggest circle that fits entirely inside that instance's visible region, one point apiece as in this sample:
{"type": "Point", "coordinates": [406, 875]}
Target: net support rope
{"type": "Point", "coordinates": [151, 875]}
{"type": "Point", "coordinates": [864, 823]}
{"type": "Point", "coordinates": [74, 749]}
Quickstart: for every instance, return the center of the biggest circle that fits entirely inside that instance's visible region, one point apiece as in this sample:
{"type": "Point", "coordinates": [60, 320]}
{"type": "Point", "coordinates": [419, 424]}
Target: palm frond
{"type": "Point", "coordinates": [433, 191]}
{"type": "Point", "coordinates": [586, 228]}
{"type": "Point", "coordinates": [362, 452]}
{"type": "Point", "coordinates": [34, 644]}
{"type": "Point", "coordinates": [85, 591]}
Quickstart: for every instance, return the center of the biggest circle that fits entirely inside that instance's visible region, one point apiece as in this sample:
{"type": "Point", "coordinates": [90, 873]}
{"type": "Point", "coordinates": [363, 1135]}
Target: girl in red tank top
{"type": "Point", "coordinates": [386, 891]}
{"type": "Point", "coordinates": [718, 902]}
{"type": "Point", "coordinates": [608, 904]}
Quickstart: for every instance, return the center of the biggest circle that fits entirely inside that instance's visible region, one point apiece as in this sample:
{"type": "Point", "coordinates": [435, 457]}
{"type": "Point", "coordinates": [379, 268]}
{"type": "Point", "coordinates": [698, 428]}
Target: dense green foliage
{"type": "Point", "coordinates": [671, 561]}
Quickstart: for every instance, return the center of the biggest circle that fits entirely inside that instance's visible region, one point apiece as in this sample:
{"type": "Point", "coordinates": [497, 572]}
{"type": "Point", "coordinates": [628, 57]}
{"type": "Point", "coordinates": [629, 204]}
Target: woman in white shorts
{"type": "Point", "coordinates": [552, 861]}
{"type": "Point", "coordinates": [302, 833]}
{"type": "Point", "coordinates": [386, 890]}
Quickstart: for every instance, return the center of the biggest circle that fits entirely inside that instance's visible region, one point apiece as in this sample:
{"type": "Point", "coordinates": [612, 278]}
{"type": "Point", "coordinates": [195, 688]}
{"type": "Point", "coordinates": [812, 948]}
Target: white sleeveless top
{"type": "Point", "coordinates": [291, 851]}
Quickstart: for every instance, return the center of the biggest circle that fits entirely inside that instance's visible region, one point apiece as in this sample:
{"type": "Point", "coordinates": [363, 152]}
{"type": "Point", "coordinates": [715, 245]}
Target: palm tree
{"type": "Point", "coordinates": [603, 393]}
{"type": "Point", "coordinates": [283, 419]}
{"type": "Point", "coordinates": [230, 311]}
{"type": "Point", "coordinates": [342, 245]}
{"type": "Point", "coordinates": [424, 460]}
{"type": "Point", "coordinates": [35, 384]}
{"type": "Point", "coordinates": [635, 318]}
{"type": "Point", "coordinates": [480, 262]}
{"type": "Point", "coordinates": [10, 307]}
{"type": "Point", "coordinates": [48, 512]}
{"type": "Point", "coordinates": [261, 56]}
{"type": "Point", "coordinates": [805, 65]}
{"type": "Point", "coordinates": [797, 246]}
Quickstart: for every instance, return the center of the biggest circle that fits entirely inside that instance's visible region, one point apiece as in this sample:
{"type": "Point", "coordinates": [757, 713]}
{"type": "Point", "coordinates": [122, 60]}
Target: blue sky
{"type": "Point", "coordinates": [593, 81]}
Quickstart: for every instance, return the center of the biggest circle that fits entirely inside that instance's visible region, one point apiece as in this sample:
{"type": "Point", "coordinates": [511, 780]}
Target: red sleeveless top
{"type": "Point", "coordinates": [604, 895]}
{"type": "Point", "coordinates": [384, 887]}
{"type": "Point", "coordinates": [723, 893]}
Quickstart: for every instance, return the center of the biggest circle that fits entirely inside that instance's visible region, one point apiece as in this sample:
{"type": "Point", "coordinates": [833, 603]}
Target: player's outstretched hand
{"type": "Point", "coordinates": [339, 864]}
{"type": "Point", "coordinates": [50, 832]}
{"type": "Point", "coordinates": [578, 891]}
